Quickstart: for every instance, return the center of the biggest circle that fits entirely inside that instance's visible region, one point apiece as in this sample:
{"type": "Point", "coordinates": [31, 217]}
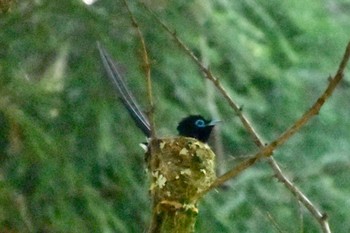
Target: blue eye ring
{"type": "Point", "coordinates": [200, 123]}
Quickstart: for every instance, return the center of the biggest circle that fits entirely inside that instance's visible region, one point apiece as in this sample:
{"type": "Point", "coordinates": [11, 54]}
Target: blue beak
{"type": "Point", "coordinates": [213, 122]}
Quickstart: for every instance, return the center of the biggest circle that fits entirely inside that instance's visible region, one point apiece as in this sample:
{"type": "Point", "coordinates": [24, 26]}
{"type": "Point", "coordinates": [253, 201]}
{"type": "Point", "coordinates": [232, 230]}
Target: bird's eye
{"type": "Point", "coordinates": [199, 123]}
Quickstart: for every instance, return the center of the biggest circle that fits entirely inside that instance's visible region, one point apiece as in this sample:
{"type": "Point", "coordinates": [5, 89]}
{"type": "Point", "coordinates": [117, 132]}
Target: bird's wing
{"type": "Point", "coordinates": [125, 95]}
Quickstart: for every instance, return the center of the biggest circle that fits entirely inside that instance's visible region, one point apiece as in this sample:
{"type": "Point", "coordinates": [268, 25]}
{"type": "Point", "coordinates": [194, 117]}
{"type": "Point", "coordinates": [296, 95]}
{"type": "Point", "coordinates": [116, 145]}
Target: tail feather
{"type": "Point", "coordinates": [127, 98]}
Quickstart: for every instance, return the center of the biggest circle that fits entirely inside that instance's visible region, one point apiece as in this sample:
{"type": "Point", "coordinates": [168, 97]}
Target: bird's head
{"type": "Point", "coordinates": [195, 126]}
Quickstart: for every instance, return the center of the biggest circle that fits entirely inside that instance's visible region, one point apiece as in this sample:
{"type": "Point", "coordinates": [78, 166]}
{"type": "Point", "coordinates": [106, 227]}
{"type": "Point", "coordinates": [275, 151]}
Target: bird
{"type": "Point", "coordinates": [180, 168]}
{"type": "Point", "coordinates": [193, 126]}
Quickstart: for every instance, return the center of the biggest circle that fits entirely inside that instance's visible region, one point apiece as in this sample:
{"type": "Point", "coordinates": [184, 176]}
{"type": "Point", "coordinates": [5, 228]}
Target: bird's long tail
{"type": "Point", "coordinates": [125, 95]}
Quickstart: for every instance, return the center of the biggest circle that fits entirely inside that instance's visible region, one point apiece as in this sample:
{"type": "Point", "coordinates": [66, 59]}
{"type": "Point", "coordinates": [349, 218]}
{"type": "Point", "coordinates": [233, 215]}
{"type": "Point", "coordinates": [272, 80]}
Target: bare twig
{"type": "Point", "coordinates": [320, 217]}
{"type": "Point", "coordinates": [314, 110]}
{"type": "Point", "coordinates": [147, 70]}
{"type": "Point", "coordinates": [272, 220]}
{"type": "Point", "coordinates": [268, 150]}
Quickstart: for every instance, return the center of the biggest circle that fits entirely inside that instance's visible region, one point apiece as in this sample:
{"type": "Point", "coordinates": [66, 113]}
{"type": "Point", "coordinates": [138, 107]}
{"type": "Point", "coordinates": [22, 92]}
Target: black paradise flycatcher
{"type": "Point", "coordinates": [181, 168]}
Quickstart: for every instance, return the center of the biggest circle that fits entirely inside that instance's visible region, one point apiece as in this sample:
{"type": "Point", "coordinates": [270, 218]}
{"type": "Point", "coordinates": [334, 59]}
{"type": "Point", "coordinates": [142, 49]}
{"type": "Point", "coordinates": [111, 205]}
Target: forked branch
{"type": "Point", "coordinates": [266, 151]}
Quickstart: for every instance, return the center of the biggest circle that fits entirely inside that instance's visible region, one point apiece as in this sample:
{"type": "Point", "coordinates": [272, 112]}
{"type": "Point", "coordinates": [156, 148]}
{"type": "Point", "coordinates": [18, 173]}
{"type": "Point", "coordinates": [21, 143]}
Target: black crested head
{"type": "Point", "coordinates": [195, 126]}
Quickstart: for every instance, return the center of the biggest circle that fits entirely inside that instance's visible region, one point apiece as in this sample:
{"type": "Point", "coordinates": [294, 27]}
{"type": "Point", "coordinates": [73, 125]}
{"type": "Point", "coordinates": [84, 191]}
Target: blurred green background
{"type": "Point", "coordinates": [69, 154]}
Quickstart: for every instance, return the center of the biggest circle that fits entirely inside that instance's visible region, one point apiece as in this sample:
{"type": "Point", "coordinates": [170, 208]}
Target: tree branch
{"type": "Point", "coordinates": [314, 110]}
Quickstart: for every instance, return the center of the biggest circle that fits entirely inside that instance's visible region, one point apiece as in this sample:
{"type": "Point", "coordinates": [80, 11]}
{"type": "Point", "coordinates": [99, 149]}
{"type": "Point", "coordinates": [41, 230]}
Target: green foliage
{"type": "Point", "coordinates": [69, 160]}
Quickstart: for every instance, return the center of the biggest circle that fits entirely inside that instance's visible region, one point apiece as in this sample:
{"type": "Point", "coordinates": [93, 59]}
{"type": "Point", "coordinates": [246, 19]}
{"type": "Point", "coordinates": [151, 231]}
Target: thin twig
{"type": "Point", "coordinates": [272, 220]}
{"type": "Point", "coordinates": [314, 110]}
{"type": "Point", "coordinates": [320, 217]}
{"type": "Point", "coordinates": [146, 68]}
